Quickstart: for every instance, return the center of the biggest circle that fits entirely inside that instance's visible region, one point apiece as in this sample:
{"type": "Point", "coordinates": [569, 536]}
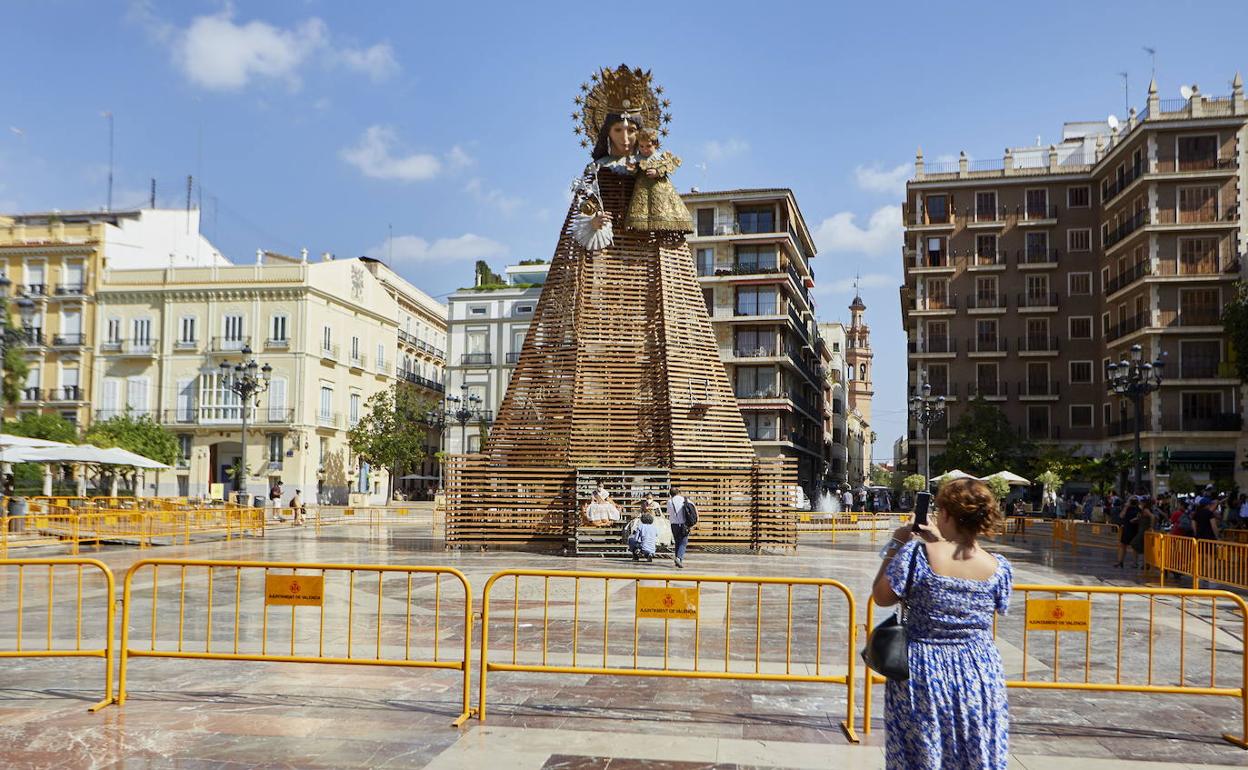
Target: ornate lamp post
{"type": "Point", "coordinates": [1135, 378]}
{"type": "Point", "coordinates": [925, 410]}
{"type": "Point", "coordinates": [462, 409]}
{"type": "Point", "coordinates": [12, 337]}
{"type": "Point", "coordinates": [242, 379]}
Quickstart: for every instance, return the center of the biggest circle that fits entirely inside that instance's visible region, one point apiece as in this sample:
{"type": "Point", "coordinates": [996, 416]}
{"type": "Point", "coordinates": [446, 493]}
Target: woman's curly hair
{"type": "Point", "coordinates": [972, 506]}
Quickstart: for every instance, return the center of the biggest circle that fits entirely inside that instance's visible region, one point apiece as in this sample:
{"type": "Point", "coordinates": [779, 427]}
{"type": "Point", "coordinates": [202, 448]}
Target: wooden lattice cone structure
{"type": "Point", "coordinates": [619, 381]}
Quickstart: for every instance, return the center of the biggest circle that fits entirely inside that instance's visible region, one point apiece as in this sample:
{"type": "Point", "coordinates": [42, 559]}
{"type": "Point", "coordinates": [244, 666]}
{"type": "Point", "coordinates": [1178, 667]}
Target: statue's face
{"type": "Point", "coordinates": [622, 135]}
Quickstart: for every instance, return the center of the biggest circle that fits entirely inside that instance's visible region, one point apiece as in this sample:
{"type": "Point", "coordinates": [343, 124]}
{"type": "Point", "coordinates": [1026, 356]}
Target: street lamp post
{"type": "Point", "coordinates": [242, 379]}
{"type": "Point", "coordinates": [925, 410]}
{"type": "Point", "coordinates": [1135, 378]}
{"type": "Point", "coordinates": [463, 409]}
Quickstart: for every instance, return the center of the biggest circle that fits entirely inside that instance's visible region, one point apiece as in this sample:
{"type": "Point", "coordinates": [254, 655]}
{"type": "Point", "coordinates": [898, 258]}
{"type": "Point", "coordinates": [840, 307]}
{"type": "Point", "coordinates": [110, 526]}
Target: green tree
{"type": "Point", "coordinates": [1063, 461]}
{"type": "Point", "coordinates": [1108, 471]}
{"type": "Point", "coordinates": [50, 427]}
{"type": "Point", "coordinates": [1050, 480]}
{"type": "Point", "coordinates": [15, 366]}
{"type": "Point", "coordinates": [913, 483]}
{"type": "Point", "coordinates": [982, 441]}
{"type": "Point", "coordinates": [1235, 321]}
{"type": "Point", "coordinates": [881, 476]}
{"type": "Point", "coordinates": [1181, 482]}
{"type": "Point", "coordinates": [135, 433]}
{"type": "Point", "coordinates": [999, 486]}
{"type": "Point", "coordinates": [391, 432]}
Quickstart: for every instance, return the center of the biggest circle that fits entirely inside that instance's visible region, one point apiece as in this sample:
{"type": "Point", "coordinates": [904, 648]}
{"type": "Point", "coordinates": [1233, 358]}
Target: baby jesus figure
{"type": "Point", "coordinates": [655, 204]}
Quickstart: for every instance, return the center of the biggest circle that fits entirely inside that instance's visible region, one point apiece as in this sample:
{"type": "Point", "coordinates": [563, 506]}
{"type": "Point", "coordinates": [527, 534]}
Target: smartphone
{"type": "Point", "coordinates": [921, 503]}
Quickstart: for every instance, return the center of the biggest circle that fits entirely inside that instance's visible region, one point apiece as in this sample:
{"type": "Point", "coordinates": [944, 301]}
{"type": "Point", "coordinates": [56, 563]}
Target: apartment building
{"type": "Point", "coordinates": [486, 326]}
{"type": "Point", "coordinates": [753, 250]}
{"type": "Point", "coordinates": [419, 363]}
{"type": "Point", "coordinates": [54, 260]}
{"type": "Point", "coordinates": [1026, 275]}
{"type": "Point", "coordinates": [328, 330]}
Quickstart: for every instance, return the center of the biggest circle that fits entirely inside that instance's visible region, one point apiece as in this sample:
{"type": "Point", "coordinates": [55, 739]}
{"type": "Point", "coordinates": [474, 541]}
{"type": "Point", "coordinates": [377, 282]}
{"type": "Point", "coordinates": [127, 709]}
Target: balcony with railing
{"type": "Point", "coordinates": [32, 337]}
{"type": "Point", "coordinates": [756, 351]}
{"type": "Point", "coordinates": [936, 302]}
{"type": "Point", "coordinates": [999, 258]}
{"type": "Point", "coordinates": [329, 419]}
{"type": "Point", "coordinates": [102, 415]}
{"type": "Point", "coordinates": [476, 359]}
{"type": "Point", "coordinates": [31, 395]}
{"type": "Point", "coordinates": [999, 389]}
{"type": "Point", "coordinates": [1032, 343]}
{"type": "Point", "coordinates": [358, 360]}
{"type": "Point", "coordinates": [1193, 367]}
{"type": "Point", "coordinates": [769, 392]}
{"type": "Point", "coordinates": [66, 393]}
{"type": "Point", "coordinates": [1038, 299]}
{"type": "Point", "coordinates": [1038, 388]}
{"type": "Point", "coordinates": [424, 382]}
{"type": "Point", "coordinates": [1120, 183]}
{"type": "Point", "coordinates": [1168, 165]}
{"type": "Point", "coordinates": [277, 343]}
{"type": "Point", "coordinates": [1038, 257]}
{"type": "Point", "coordinates": [70, 290]}
{"type": "Point", "coordinates": [183, 345]}
{"type": "Point", "coordinates": [230, 344]}
{"type": "Point", "coordinates": [985, 215]}
{"type": "Point", "coordinates": [1129, 325]}
{"type": "Point", "coordinates": [1135, 222]}
{"type": "Point", "coordinates": [1228, 422]}
{"type": "Point", "coordinates": [987, 345]}
{"type": "Point", "coordinates": [1128, 277]}
{"type": "Point", "coordinates": [75, 340]}
{"type": "Point", "coordinates": [1197, 216]}
{"type": "Point", "coordinates": [33, 290]}
{"type": "Point", "coordinates": [329, 351]}
{"type": "Point", "coordinates": [987, 302]}
{"type": "Point", "coordinates": [1036, 213]}
{"type": "Point", "coordinates": [141, 348]}
{"type": "Point", "coordinates": [933, 345]}
{"type": "Point", "coordinates": [228, 414]}
{"type": "Point", "coordinates": [931, 260]}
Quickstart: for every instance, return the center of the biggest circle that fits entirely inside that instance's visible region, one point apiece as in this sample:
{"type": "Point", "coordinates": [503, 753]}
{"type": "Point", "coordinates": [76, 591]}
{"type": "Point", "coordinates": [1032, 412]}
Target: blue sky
{"type": "Point", "coordinates": [321, 125]}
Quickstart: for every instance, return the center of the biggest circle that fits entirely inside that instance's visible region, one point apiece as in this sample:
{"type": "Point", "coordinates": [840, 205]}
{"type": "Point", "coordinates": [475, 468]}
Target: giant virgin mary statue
{"type": "Point", "coordinates": [620, 367]}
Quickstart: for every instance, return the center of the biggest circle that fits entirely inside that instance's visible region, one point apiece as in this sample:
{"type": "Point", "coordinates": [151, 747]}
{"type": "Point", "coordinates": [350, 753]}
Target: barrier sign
{"type": "Point", "coordinates": [1059, 615]}
{"type": "Point", "coordinates": [293, 590]}
{"type": "Point", "coordinates": [672, 603]}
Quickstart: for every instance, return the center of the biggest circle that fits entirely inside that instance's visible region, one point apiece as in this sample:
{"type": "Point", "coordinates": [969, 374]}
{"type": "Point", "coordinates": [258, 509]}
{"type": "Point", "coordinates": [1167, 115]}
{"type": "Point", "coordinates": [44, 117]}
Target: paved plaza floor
{"type": "Point", "coordinates": [243, 714]}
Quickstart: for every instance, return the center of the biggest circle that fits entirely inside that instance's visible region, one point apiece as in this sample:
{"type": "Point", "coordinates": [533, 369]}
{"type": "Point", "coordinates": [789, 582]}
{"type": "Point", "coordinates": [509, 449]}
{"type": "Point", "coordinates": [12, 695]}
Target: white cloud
{"type": "Point", "coordinates": [716, 150]}
{"type": "Point", "coordinates": [507, 204]}
{"type": "Point", "coordinates": [414, 250]}
{"type": "Point", "coordinates": [840, 233]}
{"type": "Point", "coordinates": [459, 158]}
{"type": "Point", "coordinates": [889, 181]}
{"type": "Point", "coordinates": [374, 156]}
{"type": "Point", "coordinates": [217, 53]}
{"type": "Point", "coordinates": [376, 61]}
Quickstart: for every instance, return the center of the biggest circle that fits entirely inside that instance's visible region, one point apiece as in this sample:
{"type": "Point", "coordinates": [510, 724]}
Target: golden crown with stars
{"type": "Point", "coordinates": [624, 91]}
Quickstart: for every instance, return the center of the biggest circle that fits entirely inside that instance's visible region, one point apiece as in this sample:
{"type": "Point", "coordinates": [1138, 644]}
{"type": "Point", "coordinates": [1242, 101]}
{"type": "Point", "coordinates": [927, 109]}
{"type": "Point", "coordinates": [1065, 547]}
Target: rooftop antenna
{"type": "Point", "coordinates": [1152, 53]}
{"type": "Point", "coordinates": [1186, 92]}
{"type": "Point", "coordinates": [109, 116]}
{"type": "Point", "coordinates": [1112, 120]}
{"type": "Point", "coordinates": [151, 201]}
{"type": "Point", "coordinates": [1126, 91]}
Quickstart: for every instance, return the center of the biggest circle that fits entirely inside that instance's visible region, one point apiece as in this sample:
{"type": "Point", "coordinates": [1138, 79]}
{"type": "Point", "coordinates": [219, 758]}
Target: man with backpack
{"type": "Point", "coordinates": [683, 515]}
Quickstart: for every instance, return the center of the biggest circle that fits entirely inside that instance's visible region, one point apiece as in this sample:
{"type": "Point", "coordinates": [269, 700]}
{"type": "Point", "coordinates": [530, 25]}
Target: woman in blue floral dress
{"type": "Point", "coordinates": [952, 712]}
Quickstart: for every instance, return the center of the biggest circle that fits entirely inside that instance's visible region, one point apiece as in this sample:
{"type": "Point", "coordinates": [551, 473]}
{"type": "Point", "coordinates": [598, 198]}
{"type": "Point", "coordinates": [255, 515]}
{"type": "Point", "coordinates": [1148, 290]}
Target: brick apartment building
{"type": "Point", "coordinates": [1025, 276]}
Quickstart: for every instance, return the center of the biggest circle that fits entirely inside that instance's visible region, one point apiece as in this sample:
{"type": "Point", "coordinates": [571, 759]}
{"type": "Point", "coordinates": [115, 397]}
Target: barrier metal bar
{"type": "Point", "coordinates": [74, 586]}
{"type": "Point", "coordinates": [1214, 561]}
{"type": "Point", "coordinates": [248, 628]}
{"type": "Point", "coordinates": [626, 659]}
{"type": "Point", "coordinates": [1188, 600]}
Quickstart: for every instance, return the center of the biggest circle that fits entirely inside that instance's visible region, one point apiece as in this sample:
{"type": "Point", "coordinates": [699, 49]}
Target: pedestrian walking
{"type": "Point", "coordinates": [275, 499]}
{"type": "Point", "coordinates": [296, 505]}
{"type": "Point", "coordinates": [952, 712]}
{"type": "Point", "coordinates": [1129, 526]}
{"type": "Point", "coordinates": [682, 513]}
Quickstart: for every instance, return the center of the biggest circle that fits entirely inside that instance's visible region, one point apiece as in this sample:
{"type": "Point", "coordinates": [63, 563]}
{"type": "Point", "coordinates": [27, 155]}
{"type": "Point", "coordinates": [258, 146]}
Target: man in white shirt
{"type": "Point", "coordinates": [680, 527]}
{"type": "Point", "coordinates": [847, 500]}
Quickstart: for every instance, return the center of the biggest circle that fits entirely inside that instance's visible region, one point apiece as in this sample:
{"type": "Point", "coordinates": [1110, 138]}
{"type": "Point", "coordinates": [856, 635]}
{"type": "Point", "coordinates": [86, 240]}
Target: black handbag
{"type": "Point", "coordinates": [886, 652]}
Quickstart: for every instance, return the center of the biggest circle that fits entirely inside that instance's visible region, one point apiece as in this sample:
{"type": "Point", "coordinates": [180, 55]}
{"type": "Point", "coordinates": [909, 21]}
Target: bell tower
{"type": "Point", "coordinates": [858, 355]}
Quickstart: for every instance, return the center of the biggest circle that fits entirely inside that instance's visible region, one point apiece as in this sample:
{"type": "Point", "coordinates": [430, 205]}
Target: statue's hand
{"type": "Point", "coordinates": [601, 220]}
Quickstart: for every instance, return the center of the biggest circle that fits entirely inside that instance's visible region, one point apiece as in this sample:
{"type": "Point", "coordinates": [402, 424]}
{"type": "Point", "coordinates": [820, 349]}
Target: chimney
{"type": "Point", "coordinates": [1154, 101]}
{"type": "Point", "coordinates": [918, 164]}
{"type": "Point", "coordinates": [1237, 95]}
{"type": "Point", "coordinates": [1052, 158]}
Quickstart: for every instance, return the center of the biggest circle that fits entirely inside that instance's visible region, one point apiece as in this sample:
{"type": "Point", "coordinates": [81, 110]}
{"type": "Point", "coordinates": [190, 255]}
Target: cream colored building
{"type": "Point", "coordinates": [55, 259]}
{"type": "Point", "coordinates": [328, 329]}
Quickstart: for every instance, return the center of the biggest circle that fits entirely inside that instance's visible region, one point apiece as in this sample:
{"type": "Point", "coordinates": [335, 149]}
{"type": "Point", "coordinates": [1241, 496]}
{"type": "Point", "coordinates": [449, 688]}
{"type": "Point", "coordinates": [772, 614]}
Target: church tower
{"type": "Point", "coordinates": [858, 356]}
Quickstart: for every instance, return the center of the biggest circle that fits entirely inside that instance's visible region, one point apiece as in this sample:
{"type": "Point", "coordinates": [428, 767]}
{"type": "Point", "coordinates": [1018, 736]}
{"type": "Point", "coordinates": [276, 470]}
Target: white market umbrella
{"type": "Point", "coordinates": [1013, 479]}
{"type": "Point", "coordinates": [954, 475]}
{"type": "Point", "coordinates": [9, 440]}
{"type": "Point", "coordinates": [14, 454]}
{"type": "Point", "coordinates": [119, 456]}
{"type": "Point", "coordinates": [84, 453]}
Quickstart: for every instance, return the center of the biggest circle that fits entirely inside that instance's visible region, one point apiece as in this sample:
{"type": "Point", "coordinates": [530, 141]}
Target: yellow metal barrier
{"type": "Point", "coordinates": [50, 591]}
{"type": "Point", "coordinates": [698, 609]}
{"type": "Point", "coordinates": [1215, 561]}
{"type": "Point", "coordinates": [1192, 612]}
{"type": "Point", "coordinates": [345, 620]}
{"type": "Point", "coordinates": [1235, 535]}
{"type": "Point", "coordinates": [1079, 533]}
{"type": "Point", "coordinates": [143, 528]}
{"type": "Point", "coordinates": [851, 523]}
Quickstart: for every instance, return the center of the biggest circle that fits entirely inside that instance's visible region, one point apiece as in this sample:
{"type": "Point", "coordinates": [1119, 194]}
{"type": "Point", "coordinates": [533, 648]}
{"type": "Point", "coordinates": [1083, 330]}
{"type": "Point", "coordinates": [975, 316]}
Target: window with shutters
{"type": "Point", "coordinates": [277, 328]}
{"type": "Point", "coordinates": [186, 330]}
{"type": "Point", "coordinates": [1081, 415]}
{"type": "Point", "coordinates": [1198, 256]}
